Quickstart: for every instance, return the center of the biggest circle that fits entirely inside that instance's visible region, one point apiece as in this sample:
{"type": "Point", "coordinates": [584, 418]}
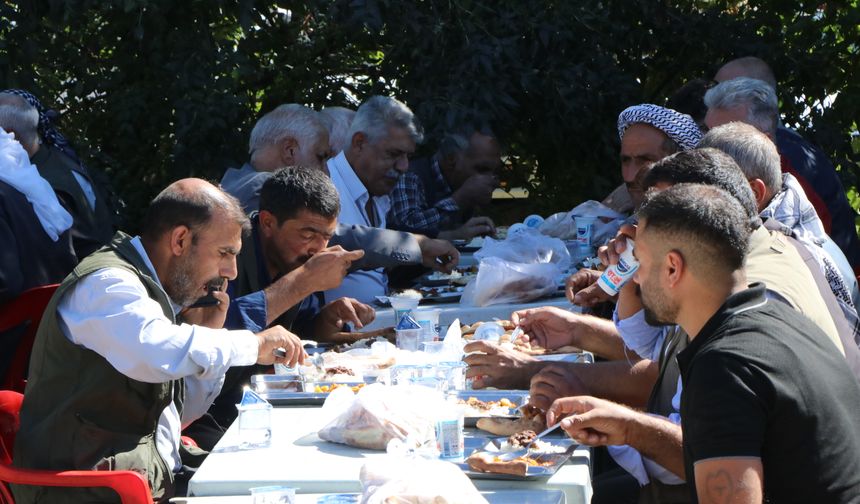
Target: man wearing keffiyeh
{"type": "Point", "coordinates": [83, 194]}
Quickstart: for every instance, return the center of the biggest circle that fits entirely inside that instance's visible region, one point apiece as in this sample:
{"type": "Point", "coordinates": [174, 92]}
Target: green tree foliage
{"type": "Point", "coordinates": [155, 90]}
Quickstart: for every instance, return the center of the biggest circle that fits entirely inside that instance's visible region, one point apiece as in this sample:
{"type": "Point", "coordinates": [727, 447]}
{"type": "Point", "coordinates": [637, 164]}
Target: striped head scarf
{"type": "Point", "coordinates": [679, 127]}
{"type": "Point", "coordinates": [47, 131]}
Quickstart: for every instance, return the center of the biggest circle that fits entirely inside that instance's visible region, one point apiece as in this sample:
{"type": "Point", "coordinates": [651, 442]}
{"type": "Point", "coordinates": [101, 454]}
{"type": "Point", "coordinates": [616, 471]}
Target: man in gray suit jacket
{"type": "Point", "coordinates": [293, 135]}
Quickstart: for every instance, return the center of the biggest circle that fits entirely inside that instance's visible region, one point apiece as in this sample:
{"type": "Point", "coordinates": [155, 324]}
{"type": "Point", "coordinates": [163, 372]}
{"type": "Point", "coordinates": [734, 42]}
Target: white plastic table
{"type": "Point", "coordinates": [298, 458]}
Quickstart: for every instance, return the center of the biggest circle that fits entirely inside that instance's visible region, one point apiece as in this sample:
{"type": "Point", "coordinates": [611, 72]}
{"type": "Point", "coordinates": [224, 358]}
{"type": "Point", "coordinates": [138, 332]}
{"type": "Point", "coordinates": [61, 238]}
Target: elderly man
{"type": "Point", "coordinates": [437, 196]}
{"type": "Point", "coordinates": [294, 135]}
{"type": "Point", "coordinates": [780, 198]}
{"type": "Point", "coordinates": [769, 408]}
{"type": "Point", "coordinates": [114, 375]}
{"type": "Point", "coordinates": [802, 159]}
{"type": "Point", "coordinates": [383, 135]}
{"type": "Point", "coordinates": [79, 189]}
{"type": "Point", "coordinates": [648, 133]}
{"type": "Point", "coordinates": [283, 268]}
{"type": "Point", "coordinates": [34, 230]}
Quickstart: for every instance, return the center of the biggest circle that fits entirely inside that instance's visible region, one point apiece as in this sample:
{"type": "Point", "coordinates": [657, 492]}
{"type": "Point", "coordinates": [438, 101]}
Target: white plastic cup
{"type": "Point", "coordinates": [407, 339]}
{"type": "Point", "coordinates": [429, 322]}
{"type": "Point", "coordinates": [616, 275]}
{"type": "Point", "coordinates": [584, 230]}
{"type": "Point", "coordinates": [403, 305]}
{"type": "Point", "coordinates": [489, 331]}
{"type": "Point", "coordinates": [255, 425]}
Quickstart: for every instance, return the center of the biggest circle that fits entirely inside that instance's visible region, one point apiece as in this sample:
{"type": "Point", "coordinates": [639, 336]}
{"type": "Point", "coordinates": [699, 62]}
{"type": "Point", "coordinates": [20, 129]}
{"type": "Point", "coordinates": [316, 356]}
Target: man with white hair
{"type": "Point", "coordinates": [799, 157]}
{"type": "Point", "coordinates": [382, 137]}
{"type": "Point", "coordinates": [338, 121]}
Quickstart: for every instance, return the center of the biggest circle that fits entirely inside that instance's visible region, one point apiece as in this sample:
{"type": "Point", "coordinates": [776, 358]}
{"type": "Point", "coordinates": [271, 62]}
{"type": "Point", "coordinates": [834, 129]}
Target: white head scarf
{"type": "Point", "coordinates": [16, 170]}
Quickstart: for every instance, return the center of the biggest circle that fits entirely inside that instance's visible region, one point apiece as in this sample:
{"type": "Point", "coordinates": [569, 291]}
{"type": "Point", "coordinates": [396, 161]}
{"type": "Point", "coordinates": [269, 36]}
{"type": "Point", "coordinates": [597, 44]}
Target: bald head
{"type": "Point", "coordinates": [192, 203]}
{"type": "Point", "coordinates": [749, 66]}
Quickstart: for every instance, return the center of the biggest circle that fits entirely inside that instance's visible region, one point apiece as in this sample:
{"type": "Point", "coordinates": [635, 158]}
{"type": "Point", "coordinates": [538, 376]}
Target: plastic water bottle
{"type": "Point", "coordinates": [616, 275]}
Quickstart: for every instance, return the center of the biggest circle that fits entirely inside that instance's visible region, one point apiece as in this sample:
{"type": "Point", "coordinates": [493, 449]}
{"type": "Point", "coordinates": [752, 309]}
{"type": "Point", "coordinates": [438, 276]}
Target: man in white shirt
{"type": "Point", "coordinates": [382, 136]}
{"type": "Point", "coordinates": [114, 375]}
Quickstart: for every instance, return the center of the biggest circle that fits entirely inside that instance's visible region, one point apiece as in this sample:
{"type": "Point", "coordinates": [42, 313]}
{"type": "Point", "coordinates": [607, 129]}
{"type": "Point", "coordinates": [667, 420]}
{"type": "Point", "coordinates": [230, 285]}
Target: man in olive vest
{"type": "Point", "coordinates": [114, 376]}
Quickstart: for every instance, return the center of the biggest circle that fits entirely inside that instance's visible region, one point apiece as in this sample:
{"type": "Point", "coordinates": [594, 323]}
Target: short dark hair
{"type": "Point", "coordinates": [704, 223]}
{"type": "Point", "coordinates": [193, 209]}
{"type": "Point", "coordinates": [706, 166]}
{"type": "Point", "coordinates": [295, 188]}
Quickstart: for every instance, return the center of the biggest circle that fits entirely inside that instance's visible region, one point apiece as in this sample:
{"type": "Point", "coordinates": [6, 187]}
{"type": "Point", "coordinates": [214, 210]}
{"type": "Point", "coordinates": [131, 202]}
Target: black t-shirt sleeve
{"type": "Point", "coordinates": [726, 412]}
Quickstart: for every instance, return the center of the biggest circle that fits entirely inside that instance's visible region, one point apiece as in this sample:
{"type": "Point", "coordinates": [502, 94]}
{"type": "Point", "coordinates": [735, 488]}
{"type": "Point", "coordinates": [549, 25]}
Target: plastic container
{"type": "Point", "coordinates": [584, 231]}
{"type": "Point", "coordinates": [273, 495]}
{"type": "Point", "coordinates": [616, 275]}
{"type": "Point", "coordinates": [449, 432]}
{"type": "Point", "coordinates": [489, 331]}
{"type": "Point", "coordinates": [429, 322]}
{"type": "Point", "coordinates": [255, 425]}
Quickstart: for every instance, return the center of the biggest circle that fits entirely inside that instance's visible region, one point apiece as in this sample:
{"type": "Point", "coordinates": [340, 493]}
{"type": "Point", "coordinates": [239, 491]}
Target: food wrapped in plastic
{"type": "Point", "coordinates": [378, 414]}
{"type": "Point", "coordinates": [416, 481]}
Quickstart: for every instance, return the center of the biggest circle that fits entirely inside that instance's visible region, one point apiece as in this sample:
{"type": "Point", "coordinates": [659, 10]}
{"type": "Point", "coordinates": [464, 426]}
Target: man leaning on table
{"type": "Point", "coordinates": [293, 135]}
{"type": "Point", "coordinates": [284, 266]}
{"type": "Point", "coordinates": [121, 363]}
{"type": "Point", "coordinates": [769, 407]}
{"type": "Point", "coordinates": [383, 135]}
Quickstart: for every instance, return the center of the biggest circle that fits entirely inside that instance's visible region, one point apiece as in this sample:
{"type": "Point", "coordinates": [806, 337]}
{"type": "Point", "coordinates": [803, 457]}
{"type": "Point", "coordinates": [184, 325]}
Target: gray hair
{"type": "Point", "coordinates": [18, 116]}
{"type": "Point", "coordinates": [337, 120]}
{"type": "Point", "coordinates": [378, 113]}
{"type": "Point", "coordinates": [754, 152]}
{"type": "Point", "coordinates": [289, 120]}
{"type": "Point", "coordinates": [454, 142]}
{"type": "Point", "coordinates": [757, 95]}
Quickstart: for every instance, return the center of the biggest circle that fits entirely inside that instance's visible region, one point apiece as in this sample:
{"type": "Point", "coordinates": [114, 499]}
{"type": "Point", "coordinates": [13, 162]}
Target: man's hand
{"type": "Point", "coordinates": [611, 252]}
{"type": "Point", "coordinates": [277, 337]}
{"type": "Point", "coordinates": [439, 255]}
{"type": "Point", "coordinates": [209, 316]}
{"type": "Point", "coordinates": [494, 366]}
{"type": "Point", "coordinates": [335, 314]}
{"type": "Point", "coordinates": [549, 326]}
{"type": "Point", "coordinates": [476, 226]}
{"type": "Point", "coordinates": [325, 269]}
{"type": "Point", "coordinates": [582, 290]}
{"type": "Point", "coordinates": [476, 190]}
{"type": "Point", "coordinates": [592, 421]}
{"type": "Point", "coordinates": [553, 382]}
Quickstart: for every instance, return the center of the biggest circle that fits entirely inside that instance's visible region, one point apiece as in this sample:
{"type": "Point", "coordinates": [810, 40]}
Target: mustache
{"type": "Point", "coordinates": [392, 174]}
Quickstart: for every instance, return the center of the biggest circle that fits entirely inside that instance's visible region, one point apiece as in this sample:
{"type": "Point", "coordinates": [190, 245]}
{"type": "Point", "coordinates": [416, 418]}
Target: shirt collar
{"type": "Point", "coordinates": [138, 247]}
{"type": "Point", "coordinates": [355, 187]}
{"type": "Point", "coordinates": [747, 299]}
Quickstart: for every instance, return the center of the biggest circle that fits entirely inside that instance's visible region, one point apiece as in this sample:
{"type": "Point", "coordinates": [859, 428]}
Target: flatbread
{"type": "Point", "coordinates": [510, 426]}
{"type": "Point", "coordinates": [487, 462]}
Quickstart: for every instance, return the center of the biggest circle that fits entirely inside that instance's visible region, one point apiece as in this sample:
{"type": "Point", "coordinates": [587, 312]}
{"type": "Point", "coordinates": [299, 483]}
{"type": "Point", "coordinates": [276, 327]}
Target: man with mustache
{"type": "Point", "coordinates": [383, 135]}
{"type": "Point", "coordinates": [114, 374]}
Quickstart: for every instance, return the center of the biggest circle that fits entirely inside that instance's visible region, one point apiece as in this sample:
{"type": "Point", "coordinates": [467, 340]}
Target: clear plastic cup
{"type": "Point", "coordinates": [407, 339]}
{"type": "Point", "coordinates": [489, 331]}
{"type": "Point", "coordinates": [255, 425]}
{"type": "Point", "coordinates": [403, 305]}
{"type": "Point", "coordinates": [273, 495]}
{"type": "Point", "coordinates": [433, 347]}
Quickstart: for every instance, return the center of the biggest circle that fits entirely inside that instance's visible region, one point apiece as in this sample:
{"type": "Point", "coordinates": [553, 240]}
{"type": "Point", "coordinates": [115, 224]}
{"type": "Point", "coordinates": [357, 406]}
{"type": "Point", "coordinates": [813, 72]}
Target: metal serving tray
{"type": "Point", "coordinates": [290, 390]}
{"type": "Point", "coordinates": [556, 460]}
{"type": "Point", "coordinates": [518, 397]}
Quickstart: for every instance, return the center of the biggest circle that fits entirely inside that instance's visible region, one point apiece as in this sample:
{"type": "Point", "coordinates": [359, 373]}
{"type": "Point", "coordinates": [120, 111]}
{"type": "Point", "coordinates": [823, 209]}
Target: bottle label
{"type": "Point", "coordinates": [449, 438]}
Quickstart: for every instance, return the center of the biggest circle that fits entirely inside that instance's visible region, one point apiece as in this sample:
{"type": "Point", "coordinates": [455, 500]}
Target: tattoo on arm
{"type": "Point", "coordinates": [719, 487]}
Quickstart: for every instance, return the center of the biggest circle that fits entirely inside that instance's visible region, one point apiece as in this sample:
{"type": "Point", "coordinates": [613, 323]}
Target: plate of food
{"type": "Point", "coordinates": [503, 458]}
{"type": "Point", "coordinates": [444, 293]}
{"type": "Point", "coordinates": [479, 404]}
{"type": "Point", "coordinates": [293, 390]}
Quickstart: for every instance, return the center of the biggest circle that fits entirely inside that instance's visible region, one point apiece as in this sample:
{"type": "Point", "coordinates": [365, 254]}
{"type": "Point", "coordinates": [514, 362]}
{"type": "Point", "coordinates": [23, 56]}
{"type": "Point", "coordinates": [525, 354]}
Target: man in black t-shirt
{"type": "Point", "coordinates": [769, 408]}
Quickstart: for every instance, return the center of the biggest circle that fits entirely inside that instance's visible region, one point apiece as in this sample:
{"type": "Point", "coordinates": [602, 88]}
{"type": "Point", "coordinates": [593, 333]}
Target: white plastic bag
{"type": "Point", "coordinates": [416, 481]}
{"type": "Point", "coordinates": [500, 281]}
{"type": "Point", "coordinates": [563, 225]}
{"type": "Point", "coordinates": [379, 414]}
{"type": "Point", "coordinates": [528, 247]}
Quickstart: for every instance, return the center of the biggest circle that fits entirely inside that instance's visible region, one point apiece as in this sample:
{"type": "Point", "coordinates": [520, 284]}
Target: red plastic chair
{"type": "Point", "coordinates": [26, 308]}
{"type": "Point", "coordinates": [131, 487]}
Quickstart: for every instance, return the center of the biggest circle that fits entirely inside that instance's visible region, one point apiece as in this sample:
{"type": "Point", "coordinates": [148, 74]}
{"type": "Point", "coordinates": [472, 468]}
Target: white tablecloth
{"type": "Point", "coordinates": [298, 458]}
{"type": "Point", "coordinates": [470, 314]}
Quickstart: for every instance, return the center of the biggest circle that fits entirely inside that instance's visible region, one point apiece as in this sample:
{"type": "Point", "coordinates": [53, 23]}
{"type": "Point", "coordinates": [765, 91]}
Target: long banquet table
{"type": "Point", "coordinates": [470, 314]}
{"type": "Point", "coordinates": [297, 457]}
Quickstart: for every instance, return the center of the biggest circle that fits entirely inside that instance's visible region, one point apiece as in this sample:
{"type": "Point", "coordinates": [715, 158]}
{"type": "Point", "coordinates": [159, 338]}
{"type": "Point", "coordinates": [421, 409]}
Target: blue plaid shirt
{"type": "Point", "coordinates": [411, 210]}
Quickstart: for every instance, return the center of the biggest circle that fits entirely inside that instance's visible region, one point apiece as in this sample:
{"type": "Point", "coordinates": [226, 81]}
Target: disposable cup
{"type": "Point", "coordinates": [403, 305]}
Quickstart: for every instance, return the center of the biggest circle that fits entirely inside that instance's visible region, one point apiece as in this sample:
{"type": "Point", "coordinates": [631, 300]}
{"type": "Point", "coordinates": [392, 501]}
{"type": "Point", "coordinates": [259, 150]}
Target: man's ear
{"type": "Point", "coordinates": [180, 240]}
{"type": "Point", "coordinates": [268, 222]}
{"type": "Point", "coordinates": [675, 267]}
{"type": "Point", "coordinates": [759, 191]}
{"type": "Point", "coordinates": [359, 141]}
{"type": "Point", "coordinates": [289, 148]}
